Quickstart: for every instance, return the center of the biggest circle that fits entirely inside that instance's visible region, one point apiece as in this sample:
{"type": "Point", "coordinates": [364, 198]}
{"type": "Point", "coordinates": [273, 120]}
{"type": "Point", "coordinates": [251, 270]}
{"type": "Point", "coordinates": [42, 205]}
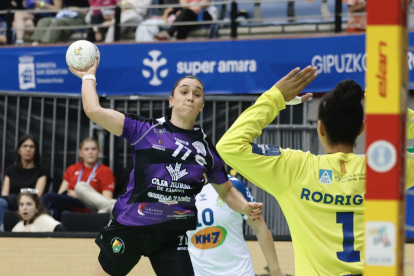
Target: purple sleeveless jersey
{"type": "Point", "coordinates": [171, 165]}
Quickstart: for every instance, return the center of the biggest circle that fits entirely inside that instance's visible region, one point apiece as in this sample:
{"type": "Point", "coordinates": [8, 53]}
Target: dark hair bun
{"type": "Point", "coordinates": [341, 112]}
{"type": "Point", "coordinates": [348, 92]}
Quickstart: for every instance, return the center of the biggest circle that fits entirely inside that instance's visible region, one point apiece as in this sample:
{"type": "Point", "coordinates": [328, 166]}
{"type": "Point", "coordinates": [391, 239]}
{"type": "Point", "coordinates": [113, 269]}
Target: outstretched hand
{"type": "Point", "coordinates": [253, 210]}
{"type": "Point", "coordinates": [90, 71]}
{"type": "Point", "coordinates": [293, 83]}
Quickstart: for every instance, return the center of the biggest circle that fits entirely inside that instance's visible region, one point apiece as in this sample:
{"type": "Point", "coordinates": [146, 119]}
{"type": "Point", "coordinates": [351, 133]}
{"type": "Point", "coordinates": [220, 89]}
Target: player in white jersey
{"type": "Point", "coordinates": [217, 247]}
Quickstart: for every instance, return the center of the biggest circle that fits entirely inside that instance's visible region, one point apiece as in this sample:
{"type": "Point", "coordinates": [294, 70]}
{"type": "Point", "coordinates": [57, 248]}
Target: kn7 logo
{"type": "Point", "coordinates": [210, 237]}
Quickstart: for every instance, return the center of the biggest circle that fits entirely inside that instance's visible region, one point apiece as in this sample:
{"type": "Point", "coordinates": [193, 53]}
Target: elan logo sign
{"type": "Point", "coordinates": [382, 70]}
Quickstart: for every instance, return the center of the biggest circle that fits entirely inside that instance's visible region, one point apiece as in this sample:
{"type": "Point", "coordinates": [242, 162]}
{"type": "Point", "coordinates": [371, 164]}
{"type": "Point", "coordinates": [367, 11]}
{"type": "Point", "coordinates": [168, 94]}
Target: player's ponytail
{"type": "Point", "coordinates": [341, 112]}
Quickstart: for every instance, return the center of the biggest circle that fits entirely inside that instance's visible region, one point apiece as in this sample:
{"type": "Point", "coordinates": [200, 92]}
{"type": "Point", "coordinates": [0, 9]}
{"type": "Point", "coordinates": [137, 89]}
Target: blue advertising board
{"type": "Point", "coordinates": [225, 67]}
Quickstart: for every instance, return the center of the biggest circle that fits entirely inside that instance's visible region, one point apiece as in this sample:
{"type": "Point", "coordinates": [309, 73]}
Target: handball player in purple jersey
{"type": "Point", "coordinates": [173, 159]}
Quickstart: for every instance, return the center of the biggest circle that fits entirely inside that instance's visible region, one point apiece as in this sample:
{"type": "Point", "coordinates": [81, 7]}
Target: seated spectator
{"type": "Point", "coordinates": [89, 171]}
{"type": "Point", "coordinates": [151, 27]}
{"type": "Point", "coordinates": [5, 5]}
{"type": "Point", "coordinates": [26, 173]}
{"type": "Point", "coordinates": [103, 15]}
{"type": "Point", "coordinates": [33, 216]}
{"type": "Point", "coordinates": [24, 19]}
{"type": "Point", "coordinates": [132, 11]}
{"type": "Point", "coordinates": [95, 201]}
{"type": "Point", "coordinates": [192, 13]}
{"type": "Point", "coordinates": [357, 23]}
{"type": "Point", "coordinates": [66, 17]}
{"type": "Point", "coordinates": [3, 38]}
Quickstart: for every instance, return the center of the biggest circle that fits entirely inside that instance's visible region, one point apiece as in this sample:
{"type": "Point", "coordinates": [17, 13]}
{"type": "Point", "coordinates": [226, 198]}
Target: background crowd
{"type": "Point", "coordinates": [87, 186]}
{"type": "Point", "coordinates": [39, 22]}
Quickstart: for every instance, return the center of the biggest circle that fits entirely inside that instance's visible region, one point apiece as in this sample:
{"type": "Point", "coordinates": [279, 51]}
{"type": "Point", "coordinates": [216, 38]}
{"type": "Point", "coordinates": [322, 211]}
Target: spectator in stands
{"type": "Point", "coordinates": [25, 19]}
{"type": "Point", "coordinates": [93, 200]}
{"type": "Point", "coordinates": [3, 38]}
{"type": "Point", "coordinates": [132, 11]}
{"type": "Point", "coordinates": [26, 173]}
{"type": "Point", "coordinates": [33, 216]}
{"type": "Point", "coordinates": [66, 17]}
{"type": "Point", "coordinates": [103, 15]}
{"type": "Point", "coordinates": [89, 171]}
{"type": "Point", "coordinates": [5, 5]}
{"type": "Point", "coordinates": [151, 27]}
{"type": "Point", "coordinates": [357, 23]}
{"type": "Point", "coordinates": [192, 13]}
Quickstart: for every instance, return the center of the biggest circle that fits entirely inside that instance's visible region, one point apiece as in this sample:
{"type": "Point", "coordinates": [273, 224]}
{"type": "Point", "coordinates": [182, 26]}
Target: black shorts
{"type": "Point", "coordinates": [122, 248]}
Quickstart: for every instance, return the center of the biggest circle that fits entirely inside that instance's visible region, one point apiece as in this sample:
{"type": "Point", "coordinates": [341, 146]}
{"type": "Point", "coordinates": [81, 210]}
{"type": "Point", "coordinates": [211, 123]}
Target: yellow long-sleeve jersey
{"type": "Point", "coordinates": [410, 124]}
{"type": "Point", "coordinates": [322, 197]}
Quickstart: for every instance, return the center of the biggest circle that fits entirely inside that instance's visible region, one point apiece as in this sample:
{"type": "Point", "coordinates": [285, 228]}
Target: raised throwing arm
{"type": "Point", "coordinates": [111, 120]}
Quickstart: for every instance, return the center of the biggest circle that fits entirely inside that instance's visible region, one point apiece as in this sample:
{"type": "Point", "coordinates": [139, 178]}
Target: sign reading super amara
{"type": "Point", "coordinates": [226, 67]}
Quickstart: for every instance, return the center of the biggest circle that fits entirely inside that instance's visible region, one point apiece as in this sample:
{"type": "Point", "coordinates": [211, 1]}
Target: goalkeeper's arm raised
{"type": "Point", "coordinates": [410, 124]}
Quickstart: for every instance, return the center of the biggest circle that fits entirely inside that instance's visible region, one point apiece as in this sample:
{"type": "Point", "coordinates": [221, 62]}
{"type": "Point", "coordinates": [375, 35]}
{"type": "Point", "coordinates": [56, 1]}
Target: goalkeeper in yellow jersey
{"type": "Point", "coordinates": [322, 197]}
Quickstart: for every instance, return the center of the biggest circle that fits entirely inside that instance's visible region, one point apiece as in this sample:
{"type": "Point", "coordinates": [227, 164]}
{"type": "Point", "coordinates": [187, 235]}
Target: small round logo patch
{"type": "Point", "coordinates": [77, 51]}
{"type": "Point", "coordinates": [381, 156]}
{"type": "Point", "coordinates": [220, 202]}
{"type": "Point", "coordinates": [118, 246]}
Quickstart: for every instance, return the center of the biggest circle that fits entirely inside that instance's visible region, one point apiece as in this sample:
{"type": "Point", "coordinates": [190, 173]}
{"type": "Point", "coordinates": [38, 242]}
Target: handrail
{"type": "Point", "coordinates": [279, 18]}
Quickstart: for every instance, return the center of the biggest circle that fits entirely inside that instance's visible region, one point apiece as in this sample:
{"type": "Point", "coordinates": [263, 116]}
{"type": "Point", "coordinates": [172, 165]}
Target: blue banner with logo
{"type": "Point", "coordinates": [225, 67]}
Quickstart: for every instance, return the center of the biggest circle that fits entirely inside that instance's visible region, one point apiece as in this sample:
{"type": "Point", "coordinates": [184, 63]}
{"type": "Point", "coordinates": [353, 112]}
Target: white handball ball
{"type": "Point", "coordinates": [81, 54]}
